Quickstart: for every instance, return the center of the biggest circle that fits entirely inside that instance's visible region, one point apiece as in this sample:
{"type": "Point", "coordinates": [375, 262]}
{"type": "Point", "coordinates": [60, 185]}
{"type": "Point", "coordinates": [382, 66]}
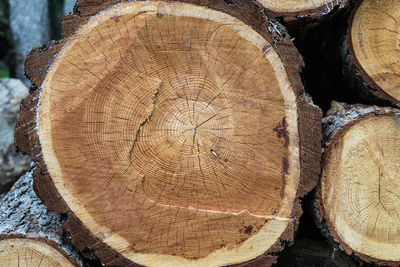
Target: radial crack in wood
{"type": "Point", "coordinates": [359, 191]}
{"type": "Point", "coordinates": [174, 134]}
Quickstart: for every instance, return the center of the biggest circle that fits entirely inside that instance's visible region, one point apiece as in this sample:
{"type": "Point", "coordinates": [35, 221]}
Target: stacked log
{"type": "Point", "coordinates": [30, 234]}
{"type": "Point", "coordinates": [172, 132]}
{"type": "Point", "coordinates": [301, 10]}
{"type": "Point", "coordinates": [370, 52]}
{"type": "Point", "coordinates": [357, 198]}
{"type": "Point", "coordinates": [358, 195]}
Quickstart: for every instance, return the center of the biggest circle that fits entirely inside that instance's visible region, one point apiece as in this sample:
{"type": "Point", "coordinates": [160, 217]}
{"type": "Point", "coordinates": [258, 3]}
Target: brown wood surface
{"type": "Point", "coordinates": [69, 81]}
{"type": "Point", "coordinates": [356, 201]}
{"type": "Point", "coordinates": [370, 51]}
{"type": "Point", "coordinates": [300, 11]}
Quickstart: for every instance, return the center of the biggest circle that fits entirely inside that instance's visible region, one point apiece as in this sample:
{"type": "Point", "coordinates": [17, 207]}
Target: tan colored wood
{"type": "Point", "coordinates": [374, 39]}
{"type": "Point", "coordinates": [359, 188]}
{"type": "Point", "coordinates": [172, 133]}
{"type": "Point", "coordinates": [169, 139]}
{"type": "Point", "coordinates": [300, 9]}
{"type": "Point", "coordinates": [30, 252]}
{"type": "Point", "coordinates": [288, 6]}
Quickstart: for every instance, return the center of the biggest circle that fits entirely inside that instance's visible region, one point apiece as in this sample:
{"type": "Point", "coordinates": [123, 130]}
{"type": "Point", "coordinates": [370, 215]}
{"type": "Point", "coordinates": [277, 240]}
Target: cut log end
{"type": "Point", "coordinates": [300, 9]}
{"type": "Point", "coordinates": [30, 252]}
{"type": "Point", "coordinates": [359, 188]}
{"type": "Point", "coordinates": [172, 132]}
{"type": "Point", "coordinates": [374, 47]}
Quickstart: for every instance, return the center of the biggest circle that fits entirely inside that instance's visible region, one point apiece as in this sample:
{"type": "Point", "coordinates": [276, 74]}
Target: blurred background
{"type": "Point", "coordinates": [23, 25]}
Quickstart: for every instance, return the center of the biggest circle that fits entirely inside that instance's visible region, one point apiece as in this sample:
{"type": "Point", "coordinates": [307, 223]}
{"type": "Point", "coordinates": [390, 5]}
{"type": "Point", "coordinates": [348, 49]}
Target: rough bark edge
{"type": "Point", "coordinates": [356, 76]}
{"type": "Point", "coordinates": [23, 216]}
{"type": "Point", "coordinates": [252, 13]}
{"type": "Point", "coordinates": [308, 15]}
{"type": "Point", "coordinates": [339, 119]}
{"type": "Point", "coordinates": [84, 9]}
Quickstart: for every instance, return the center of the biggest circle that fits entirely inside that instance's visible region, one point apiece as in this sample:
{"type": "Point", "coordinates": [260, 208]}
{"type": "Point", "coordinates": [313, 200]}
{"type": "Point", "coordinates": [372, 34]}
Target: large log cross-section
{"type": "Point", "coordinates": [171, 132]}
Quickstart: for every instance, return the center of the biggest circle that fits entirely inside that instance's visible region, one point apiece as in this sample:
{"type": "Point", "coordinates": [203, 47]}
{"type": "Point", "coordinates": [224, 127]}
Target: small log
{"type": "Point", "coordinates": [31, 235]}
{"type": "Point", "coordinates": [371, 49]}
{"type": "Point", "coordinates": [357, 203]}
{"type": "Point", "coordinates": [290, 10]}
{"type": "Point", "coordinates": [172, 132]}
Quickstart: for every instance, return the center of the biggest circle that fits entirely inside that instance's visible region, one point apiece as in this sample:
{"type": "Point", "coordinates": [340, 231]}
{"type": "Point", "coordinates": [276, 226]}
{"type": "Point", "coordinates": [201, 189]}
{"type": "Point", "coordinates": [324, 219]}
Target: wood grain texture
{"type": "Point", "coordinates": [357, 198]}
{"type": "Point", "coordinates": [371, 50]}
{"type": "Point", "coordinates": [30, 234]}
{"type": "Point", "coordinates": [157, 131]}
{"type": "Point", "coordinates": [290, 10]}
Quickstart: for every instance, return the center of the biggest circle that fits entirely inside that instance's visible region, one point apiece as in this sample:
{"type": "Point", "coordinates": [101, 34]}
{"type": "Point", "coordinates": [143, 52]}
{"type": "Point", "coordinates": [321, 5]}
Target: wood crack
{"type": "Point", "coordinates": [137, 135]}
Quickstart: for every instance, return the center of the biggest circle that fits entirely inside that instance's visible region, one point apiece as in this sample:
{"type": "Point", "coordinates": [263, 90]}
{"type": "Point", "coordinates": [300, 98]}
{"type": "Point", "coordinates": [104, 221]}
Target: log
{"type": "Point", "coordinates": [291, 10]}
{"type": "Point", "coordinates": [371, 49]}
{"type": "Point", "coordinates": [357, 203]}
{"type": "Point", "coordinates": [171, 132]}
{"type": "Point", "coordinates": [30, 234]}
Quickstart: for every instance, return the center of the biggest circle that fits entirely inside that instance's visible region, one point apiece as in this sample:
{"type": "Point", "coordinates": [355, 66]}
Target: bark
{"type": "Point", "coordinates": [338, 127]}
{"type": "Point", "coordinates": [92, 244]}
{"type": "Point", "coordinates": [23, 216]}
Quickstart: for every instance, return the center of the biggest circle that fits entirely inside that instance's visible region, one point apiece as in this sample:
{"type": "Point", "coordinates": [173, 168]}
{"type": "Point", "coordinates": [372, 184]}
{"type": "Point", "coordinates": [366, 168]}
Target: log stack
{"type": "Point", "coordinates": [178, 133]}
{"type": "Point", "coordinates": [356, 204]}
